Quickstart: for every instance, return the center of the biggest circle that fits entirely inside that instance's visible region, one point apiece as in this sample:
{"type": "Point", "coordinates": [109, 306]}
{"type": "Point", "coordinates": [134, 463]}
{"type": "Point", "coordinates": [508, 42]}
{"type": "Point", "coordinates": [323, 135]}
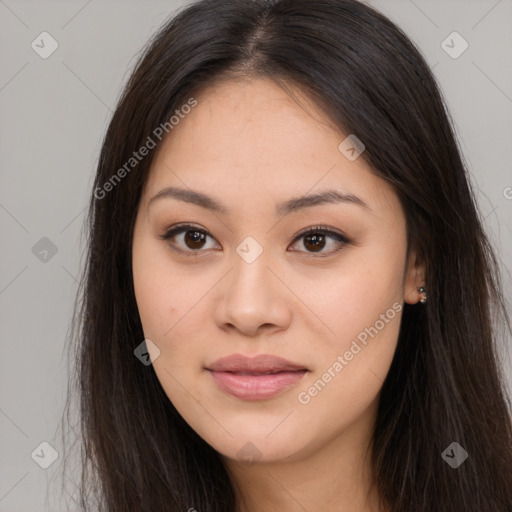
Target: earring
{"type": "Point", "coordinates": [423, 292]}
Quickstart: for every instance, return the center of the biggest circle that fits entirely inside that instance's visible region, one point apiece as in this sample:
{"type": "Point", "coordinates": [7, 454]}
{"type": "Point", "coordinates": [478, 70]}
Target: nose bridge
{"type": "Point", "coordinates": [251, 296]}
{"type": "Point", "coordinates": [250, 266]}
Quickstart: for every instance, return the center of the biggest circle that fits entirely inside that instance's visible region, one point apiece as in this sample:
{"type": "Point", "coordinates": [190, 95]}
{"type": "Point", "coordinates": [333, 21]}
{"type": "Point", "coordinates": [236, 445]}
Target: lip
{"type": "Point", "coordinates": [255, 378]}
{"type": "Point", "coordinates": [262, 363]}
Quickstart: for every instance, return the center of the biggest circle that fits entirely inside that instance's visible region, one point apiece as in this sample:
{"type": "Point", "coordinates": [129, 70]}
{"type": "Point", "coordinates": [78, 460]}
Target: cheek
{"type": "Point", "coordinates": [158, 292]}
{"type": "Point", "coordinates": [171, 312]}
{"type": "Point", "coordinates": [350, 370]}
{"type": "Point", "coordinates": [354, 300]}
{"type": "Point", "coordinates": [362, 309]}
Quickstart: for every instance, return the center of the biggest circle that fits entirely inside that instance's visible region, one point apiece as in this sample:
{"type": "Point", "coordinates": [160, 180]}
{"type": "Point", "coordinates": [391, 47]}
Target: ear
{"type": "Point", "coordinates": [414, 278]}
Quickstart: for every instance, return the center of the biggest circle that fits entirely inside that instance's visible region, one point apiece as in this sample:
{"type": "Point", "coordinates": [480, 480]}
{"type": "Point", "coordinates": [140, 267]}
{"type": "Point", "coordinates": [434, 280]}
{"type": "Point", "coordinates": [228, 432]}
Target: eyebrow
{"type": "Point", "coordinates": [292, 205]}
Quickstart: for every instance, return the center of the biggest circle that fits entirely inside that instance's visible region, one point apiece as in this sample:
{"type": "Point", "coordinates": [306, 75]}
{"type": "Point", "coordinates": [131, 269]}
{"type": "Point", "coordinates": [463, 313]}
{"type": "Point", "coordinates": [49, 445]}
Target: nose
{"type": "Point", "coordinates": [253, 299]}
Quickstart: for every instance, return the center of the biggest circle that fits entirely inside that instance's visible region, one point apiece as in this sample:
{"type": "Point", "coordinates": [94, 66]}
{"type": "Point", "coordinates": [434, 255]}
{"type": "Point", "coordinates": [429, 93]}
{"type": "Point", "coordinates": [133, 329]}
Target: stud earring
{"type": "Point", "coordinates": [423, 292]}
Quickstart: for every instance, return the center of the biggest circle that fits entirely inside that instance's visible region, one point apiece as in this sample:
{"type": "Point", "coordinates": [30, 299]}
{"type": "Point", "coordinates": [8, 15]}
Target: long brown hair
{"type": "Point", "coordinates": [444, 384]}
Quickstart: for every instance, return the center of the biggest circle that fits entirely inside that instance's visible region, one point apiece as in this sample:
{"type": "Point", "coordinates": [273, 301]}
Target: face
{"type": "Point", "coordinates": [258, 268]}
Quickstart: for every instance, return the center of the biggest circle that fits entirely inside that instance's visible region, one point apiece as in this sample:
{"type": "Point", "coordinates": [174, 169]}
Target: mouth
{"type": "Point", "coordinates": [259, 364]}
{"type": "Point", "coordinates": [256, 385]}
{"type": "Point", "coordinates": [257, 377]}
{"type": "Point", "coordinates": [263, 373]}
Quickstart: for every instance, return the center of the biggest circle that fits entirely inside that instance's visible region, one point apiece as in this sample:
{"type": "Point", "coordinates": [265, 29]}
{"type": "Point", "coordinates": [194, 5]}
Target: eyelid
{"type": "Point", "coordinates": [325, 230]}
{"type": "Point", "coordinates": [177, 229]}
{"type": "Point", "coordinates": [321, 229]}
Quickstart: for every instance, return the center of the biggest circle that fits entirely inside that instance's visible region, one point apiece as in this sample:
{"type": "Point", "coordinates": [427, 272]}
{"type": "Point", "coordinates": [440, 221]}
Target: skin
{"type": "Point", "coordinates": [250, 146]}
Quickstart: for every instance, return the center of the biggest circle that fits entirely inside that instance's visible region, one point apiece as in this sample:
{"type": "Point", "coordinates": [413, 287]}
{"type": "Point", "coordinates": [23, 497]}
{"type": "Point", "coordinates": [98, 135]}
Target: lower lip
{"type": "Point", "coordinates": [256, 387]}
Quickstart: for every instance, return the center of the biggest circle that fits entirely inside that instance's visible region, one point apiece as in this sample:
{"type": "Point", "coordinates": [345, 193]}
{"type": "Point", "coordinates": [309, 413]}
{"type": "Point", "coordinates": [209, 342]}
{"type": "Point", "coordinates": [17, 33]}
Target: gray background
{"type": "Point", "coordinates": [54, 115]}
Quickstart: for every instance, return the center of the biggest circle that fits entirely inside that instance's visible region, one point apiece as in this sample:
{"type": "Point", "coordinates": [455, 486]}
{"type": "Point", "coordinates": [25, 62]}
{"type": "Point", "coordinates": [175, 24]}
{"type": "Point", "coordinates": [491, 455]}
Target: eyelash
{"type": "Point", "coordinates": [322, 230]}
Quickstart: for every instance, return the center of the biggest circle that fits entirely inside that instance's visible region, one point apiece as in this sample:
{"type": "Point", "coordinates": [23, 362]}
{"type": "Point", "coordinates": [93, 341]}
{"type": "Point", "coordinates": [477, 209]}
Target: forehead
{"type": "Point", "coordinates": [251, 139]}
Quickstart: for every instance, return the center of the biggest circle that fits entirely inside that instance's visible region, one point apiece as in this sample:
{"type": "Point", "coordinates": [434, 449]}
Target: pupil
{"type": "Point", "coordinates": [193, 239]}
{"type": "Point", "coordinates": [317, 240]}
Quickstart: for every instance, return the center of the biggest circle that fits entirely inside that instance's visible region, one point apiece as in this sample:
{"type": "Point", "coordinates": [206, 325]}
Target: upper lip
{"type": "Point", "coordinates": [262, 363]}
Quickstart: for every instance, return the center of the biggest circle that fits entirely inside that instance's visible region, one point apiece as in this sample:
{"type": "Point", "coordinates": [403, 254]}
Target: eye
{"type": "Point", "coordinates": [192, 240]}
{"type": "Point", "coordinates": [317, 238]}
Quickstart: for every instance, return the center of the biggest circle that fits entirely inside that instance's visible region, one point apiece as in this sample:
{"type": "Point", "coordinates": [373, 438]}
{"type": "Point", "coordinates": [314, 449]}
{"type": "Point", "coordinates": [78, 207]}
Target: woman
{"type": "Point", "coordinates": [289, 301]}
